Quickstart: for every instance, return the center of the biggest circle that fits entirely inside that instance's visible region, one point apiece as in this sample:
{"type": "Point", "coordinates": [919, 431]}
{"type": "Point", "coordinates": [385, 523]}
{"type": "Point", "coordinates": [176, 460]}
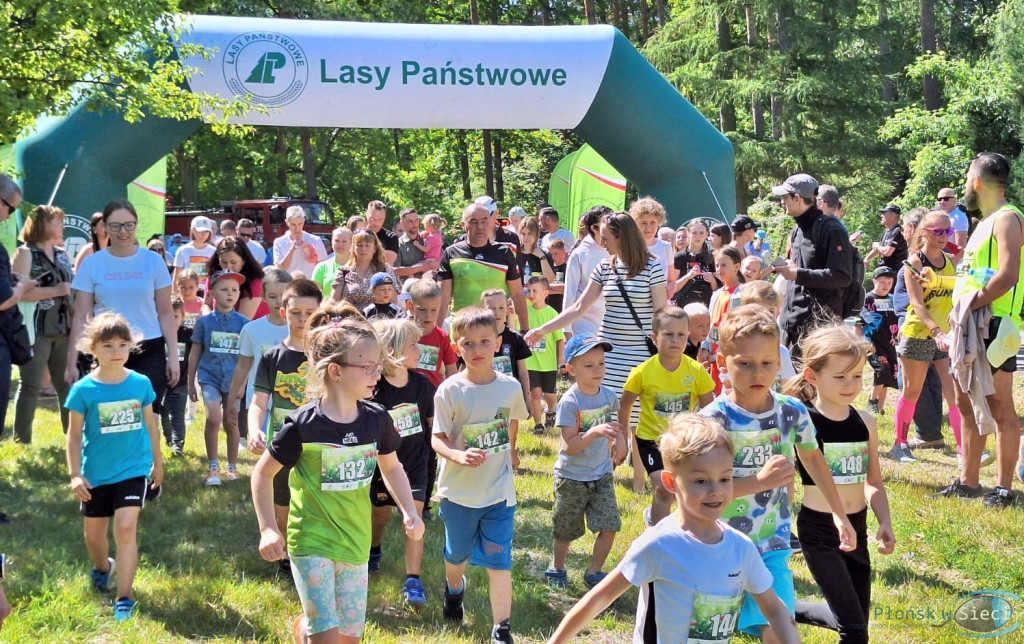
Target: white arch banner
{"type": "Point", "coordinates": [344, 74]}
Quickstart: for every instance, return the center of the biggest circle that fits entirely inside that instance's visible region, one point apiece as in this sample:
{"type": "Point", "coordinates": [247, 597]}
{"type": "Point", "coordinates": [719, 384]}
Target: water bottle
{"type": "Point", "coordinates": [982, 275]}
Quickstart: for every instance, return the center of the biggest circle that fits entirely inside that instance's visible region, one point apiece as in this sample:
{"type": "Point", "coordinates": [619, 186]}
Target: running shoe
{"type": "Point", "coordinates": [957, 490]}
{"type": "Point", "coordinates": [231, 475]}
{"type": "Point", "coordinates": [452, 610]}
{"type": "Point", "coordinates": [124, 608]}
{"type": "Point", "coordinates": [373, 565]}
{"type": "Point", "coordinates": [413, 592]}
{"type": "Point", "coordinates": [901, 453]}
{"type": "Point", "coordinates": [212, 478]}
{"type": "Point", "coordinates": [1000, 497]}
{"type": "Point", "coordinates": [556, 578]}
{"type": "Point", "coordinates": [502, 634]}
{"type": "Point", "coordinates": [592, 579]}
{"type": "Point", "coordinates": [101, 580]}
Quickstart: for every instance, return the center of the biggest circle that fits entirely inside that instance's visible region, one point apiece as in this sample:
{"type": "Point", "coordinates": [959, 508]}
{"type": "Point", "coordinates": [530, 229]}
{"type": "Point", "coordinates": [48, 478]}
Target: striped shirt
{"type": "Point", "coordinates": [618, 325]}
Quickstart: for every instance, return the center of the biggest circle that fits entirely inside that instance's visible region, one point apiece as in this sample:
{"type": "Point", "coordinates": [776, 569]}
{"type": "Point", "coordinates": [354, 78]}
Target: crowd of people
{"type": "Point", "coordinates": [397, 371]}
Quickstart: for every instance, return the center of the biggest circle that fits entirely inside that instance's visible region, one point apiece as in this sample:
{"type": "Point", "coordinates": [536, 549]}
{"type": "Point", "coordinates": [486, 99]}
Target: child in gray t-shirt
{"type": "Point", "coordinates": [584, 489]}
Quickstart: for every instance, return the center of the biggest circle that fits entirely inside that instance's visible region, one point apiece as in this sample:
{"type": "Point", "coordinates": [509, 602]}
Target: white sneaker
{"type": "Point", "coordinates": [987, 458]}
{"type": "Point", "coordinates": [213, 478]}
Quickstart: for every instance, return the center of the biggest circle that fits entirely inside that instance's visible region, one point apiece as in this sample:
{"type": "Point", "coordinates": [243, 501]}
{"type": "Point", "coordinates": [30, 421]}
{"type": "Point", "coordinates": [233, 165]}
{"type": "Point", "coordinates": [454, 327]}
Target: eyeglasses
{"type": "Point", "coordinates": [938, 232]}
{"type": "Point", "coordinates": [116, 227]}
{"type": "Point", "coordinates": [156, 248]}
{"type": "Point", "coordinates": [369, 368]}
{"type": "Point", "coordinates": [946, 199]}
{"type": "Point", "coordinates": [9, 205]}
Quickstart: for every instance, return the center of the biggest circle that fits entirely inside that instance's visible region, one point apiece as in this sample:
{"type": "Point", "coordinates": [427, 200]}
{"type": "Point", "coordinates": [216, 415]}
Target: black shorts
{"type": "Point", "coordinates": [107, 499]}
{"type": "Point", "coordinates": [543, 379]}
{"type": "Point", "coordinates": [650, 454]}
{"type": "Point", "coordinates": [417, 475]}
{"type": "Point", "coordinates": [884, 372]}
{"type": "Point", "coordinates": [1011, 363]}
{"type": "Point", "coordinates": [282, 493]}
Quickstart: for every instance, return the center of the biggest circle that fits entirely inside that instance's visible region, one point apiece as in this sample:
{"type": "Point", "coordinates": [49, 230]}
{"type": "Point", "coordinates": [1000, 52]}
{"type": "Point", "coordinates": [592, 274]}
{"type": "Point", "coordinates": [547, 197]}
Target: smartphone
{"type": "Point", "coordinates": [912, 268]}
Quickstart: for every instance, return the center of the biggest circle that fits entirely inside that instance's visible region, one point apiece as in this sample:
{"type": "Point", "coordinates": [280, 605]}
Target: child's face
{"type": "Point", "coordinates": [700, 327]}
{"type": "Point", "coordinates": [353, 379]}
{"type": "Point", "coordinates": [272, 295]}
{"type": "Point", "coordinates": [726, 268]}
{"type": "Point", "coordinates": [411, 353]}
{"type": "Point", "coordinates": [839, 380]}
{"type": "Point", "coordinates": [111, 352]}
{"type": "Point", "coordinates": [297, 312]}
{"type": "Point", "coordinates": [751, 269]}
{"type": "Point", "coordinates": [498, 305]}
{"type": "Point", "coordinates": [179, 317]}
{"type": "Point", "coordinates": [751, 364]}
{"type": "Point", "coordinates": [588, 369]}
{"type": "Point", "coordinates": [383, 294]}
{"type": "Point", "coordinates": [424, 313]}
{"type": "Point", "coordinates": [188, 289]}
{"type": "Point", "coordinates": [476, 345]}
{"type": "Point", "coordinates": [536, 293]}
{"type": "Point", "coordinates": [648, 225]}
{"type": "Point", "coordinates": [702, 486]}
{"type": "Point", "coordinates": [882, 285]}
{"type": "Point", "coordinates": [225, 293]}
{"type": "Point", "coordinates": [671, 338]}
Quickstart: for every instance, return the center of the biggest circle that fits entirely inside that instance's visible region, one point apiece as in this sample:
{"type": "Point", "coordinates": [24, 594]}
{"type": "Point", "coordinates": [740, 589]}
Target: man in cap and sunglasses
{"type": "Point", "coordinates": [892, 248]}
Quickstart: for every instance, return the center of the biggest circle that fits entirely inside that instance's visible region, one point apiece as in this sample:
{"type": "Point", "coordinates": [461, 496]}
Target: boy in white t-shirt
{"type": "Point", "coordinates": [696, 567]}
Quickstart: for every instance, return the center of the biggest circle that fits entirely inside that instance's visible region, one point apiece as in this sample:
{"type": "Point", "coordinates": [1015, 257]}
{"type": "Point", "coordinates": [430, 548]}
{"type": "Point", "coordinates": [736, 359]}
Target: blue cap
{"type": "Point", "coordinates": [381, 279]}
{"type": "Point", "coordinates": [580, 343]}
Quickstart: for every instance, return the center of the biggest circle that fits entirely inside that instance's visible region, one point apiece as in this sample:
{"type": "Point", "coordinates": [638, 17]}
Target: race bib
{"type": "Point", "coordinates": [224, 342]}
{"type": "Point", "coordinates": [276, 422]}
{"type": "Point", "coordinates": [848, 462]}
{"type": "Point", "coordinates": [198, 264]}
{"type": "Point", "coordinates": [181, 350]}
{"type": "Point", "coordinates": [502, 364]}
{"type": "Point", "coordinates": [541, 346]}
{"type": "Point", "coordinates": [713, 619]}
{"type": "Point", "coordinates": [590, 418]}
{"type": "Point", "coordinates": [347, 468]}
{"type": "Point", "coordinates": [407, 419]}
{"type": "Point", "coordinates": [883, 305]}
{"type": "Point", "coordinates": [429, 357]}
{"type": "Point", "coordinates": [120, 416]}
{"type": "Point", "coordinates": [491, 436]}
{"type": "Point", "coordinates": [667, 404]}
{"type": "Point", "coordinates": [189, 322]}
{"type": "Point", "coordinates": [751, 450]}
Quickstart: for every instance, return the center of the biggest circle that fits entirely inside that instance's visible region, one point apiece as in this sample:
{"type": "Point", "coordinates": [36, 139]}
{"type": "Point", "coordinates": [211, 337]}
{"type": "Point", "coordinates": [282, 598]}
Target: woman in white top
{"type": "Point", "coordinates": [582, 262]}
{"type": "Point", "coordinates": [649, 216]}
{"type": "Point", "coordinates": [197, 252]}
{"type": "Point", "coordinates": [130, 280]}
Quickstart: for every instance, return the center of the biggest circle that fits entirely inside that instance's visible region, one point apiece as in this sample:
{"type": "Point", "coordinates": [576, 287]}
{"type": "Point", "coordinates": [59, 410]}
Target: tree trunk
{"type": "Point", "coordinates": [499, 176]}
{"type": "Point", "coordinates": [645, 21]}
{"type": "Point", "coordinates": [931, 84]}
{"type": "Point", "coordinates": [888, 87]}
{"type": "Point", "coordinates": [727, 110]}
{"type": "Point", "coordinates": [662, 14]}
{"type": "Point", "coordinates": [187, 176]}
{"type": "Point", "coordinates": [474, 14]}
{"type": "Point", "coordinates": [545, 12]}
{"type": "Point", "coordinates": [588, 10]}
{"type": "Point", "coordinates": [460, 139]}
{"type": "Point", "coordinates": [756, 106]}
{"type": "Point", "coordinates": [308, 164]}
{"type": "Point", "coordinates": [488, 164]}
{"type": "Point", "coordinates": [281, 152]}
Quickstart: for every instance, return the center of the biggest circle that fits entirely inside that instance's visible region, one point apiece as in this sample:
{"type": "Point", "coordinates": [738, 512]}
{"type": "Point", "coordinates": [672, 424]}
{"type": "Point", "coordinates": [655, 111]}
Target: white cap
{"type": "Point", "coordinates": [202, 224]}
{"type": "Point", "coordinates": [488, 203]}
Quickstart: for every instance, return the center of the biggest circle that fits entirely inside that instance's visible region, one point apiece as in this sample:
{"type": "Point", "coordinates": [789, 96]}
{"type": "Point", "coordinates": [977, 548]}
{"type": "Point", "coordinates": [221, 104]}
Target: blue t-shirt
{"type": "Point", "coordinates": [115, 443]}
{"type": "Point", "coordinates": [218, 336]}
{"type": "Point", "coordinates": [577, 409]}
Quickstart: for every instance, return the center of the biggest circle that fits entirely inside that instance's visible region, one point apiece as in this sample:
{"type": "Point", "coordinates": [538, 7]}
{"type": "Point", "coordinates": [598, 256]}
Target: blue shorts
{"type": "Point", "coordinates": [212, 395]}
{"type": "Point", "coordinates": [777, 562]}
{"type": "Point", "coordinates": [482, 536]}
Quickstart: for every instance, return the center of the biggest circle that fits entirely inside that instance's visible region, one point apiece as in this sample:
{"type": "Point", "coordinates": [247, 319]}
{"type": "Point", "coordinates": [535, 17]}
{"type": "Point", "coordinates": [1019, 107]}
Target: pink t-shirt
{"type": "Point", "coordinates": [433, 241]}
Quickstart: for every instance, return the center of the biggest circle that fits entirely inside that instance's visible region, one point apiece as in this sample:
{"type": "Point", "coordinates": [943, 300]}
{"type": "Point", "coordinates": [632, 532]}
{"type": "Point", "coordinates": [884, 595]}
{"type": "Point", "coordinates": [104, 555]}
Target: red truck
{"type": "Point", "coordinates": [267, 214]}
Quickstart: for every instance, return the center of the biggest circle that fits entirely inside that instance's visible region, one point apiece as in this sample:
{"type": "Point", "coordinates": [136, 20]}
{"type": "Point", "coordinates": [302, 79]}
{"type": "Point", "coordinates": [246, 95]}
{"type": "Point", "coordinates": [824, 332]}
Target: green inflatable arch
{"type": "Point", "coordinates": [338, 74]}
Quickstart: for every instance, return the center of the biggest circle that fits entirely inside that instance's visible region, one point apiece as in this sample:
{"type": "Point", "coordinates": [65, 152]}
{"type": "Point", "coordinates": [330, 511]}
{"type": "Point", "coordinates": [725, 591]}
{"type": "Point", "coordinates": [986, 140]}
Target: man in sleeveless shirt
{"type": "Point", "coordinates": [996, 245]}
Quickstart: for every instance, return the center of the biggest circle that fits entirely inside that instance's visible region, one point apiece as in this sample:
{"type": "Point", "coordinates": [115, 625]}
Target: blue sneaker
{"type": "Point", "coordinates": [124, 608]}
{"type": "Point", "coordinates": [373, 565]}
{"type": "Point", "coordinates": [592, 579]}
{"type": "Point", "coordinates": [101, 580]}
{"type": "Point", "coordinates": [557, 578]}
{"type": "Point", "coordinates": [413, 592]}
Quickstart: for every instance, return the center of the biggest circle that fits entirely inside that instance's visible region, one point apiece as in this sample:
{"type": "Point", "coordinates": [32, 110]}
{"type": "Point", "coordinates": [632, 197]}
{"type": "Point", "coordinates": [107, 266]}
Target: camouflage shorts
{"type": "Point", "coordinates": [579, 500]}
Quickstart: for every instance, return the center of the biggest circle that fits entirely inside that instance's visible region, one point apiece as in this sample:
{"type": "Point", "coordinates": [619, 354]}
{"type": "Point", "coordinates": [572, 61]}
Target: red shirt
{"type": "Point", "coordinates": [435, 354]}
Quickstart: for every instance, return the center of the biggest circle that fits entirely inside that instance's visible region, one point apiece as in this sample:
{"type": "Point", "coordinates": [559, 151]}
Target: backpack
{"type": "Point", "coordinates": [853, 293]}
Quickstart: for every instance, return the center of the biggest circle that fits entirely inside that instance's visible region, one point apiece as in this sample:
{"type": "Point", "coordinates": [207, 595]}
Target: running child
{"type": "Point", "coordinates": [546, 360]}
{"type": "Point", "coordinates": [511, 352]}
{"type": "Point", "coordinates": [692, 568]}
{"type": "Point", "coordinates": [766, 429]}
{"type": "Point", "coordinates": [761, 293]}
{"type": "Point", "coordinates": [212, 361]}
{"type": "Point", "coordinates": [172, 412]}
{"type": "Point", "coordinates": [332, 445]}
{"type": "Point", "coordinates": [186, 281]}
{"type": "Point", "coordinates": [382, 290]}
{"type": "Point", "coordinates": [881, 327]}
{"type": "Point", "coordinates": [409, 398]}
{"type": "Point", "coordinates": [592, 445]}
{"type": "Point", "coordinates": [437, 358]}
{"type": "Point", "coordinates": [113, 454]}
{"type": "Point", "coordinates": [727, 268]}
{"type": "Point", "coordinates": [254, 340]}
{"type": "Point", "coordinates": [832, 375]}
{"type": "Point", "coordinates": [476, 418]}
{"type": "Point", "coordinates": [666, 384]}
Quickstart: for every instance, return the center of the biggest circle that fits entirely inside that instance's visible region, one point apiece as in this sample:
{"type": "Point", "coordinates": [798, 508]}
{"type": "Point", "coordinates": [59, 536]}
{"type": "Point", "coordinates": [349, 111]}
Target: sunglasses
{"type": "Point", "coordinates": [245, 235]}
{"type": "Point", "coordinates": [938, 232]}
{"type": "Point", "coordinates": [9, 205]}
{"type": "Point", "coordinates": [947, 199]}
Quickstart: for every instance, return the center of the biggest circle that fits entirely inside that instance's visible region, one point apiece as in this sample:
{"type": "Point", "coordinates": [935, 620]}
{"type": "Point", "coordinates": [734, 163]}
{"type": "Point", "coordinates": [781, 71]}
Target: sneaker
{"type": "Point", "coordinates": [557, 578]}
{"type": "Point", "coordinates": [917, 443]}
{"type": "Point", "coordinates": [592, 579]}
{"type": "Point", "coordinates": [413, 592]}
{"type": "Point", "coordinates": [549, 420]}
{"type": "Point", "coordinates": [958, 490]}
{"type": "Point", "coordinates": [373, 565]}
{"type": "Point", "coordinates": [987, 459]}
{"type": "Point", "coordinates": [177, 449]}
{"type": "Point", "coordinates": [1000, 497]}
{"type": "Point", "coordinates": [101, 580]}
{"type": "Point", "coordinates": [124, 608]}
{"type": "Point", "coordinates": [647, 517]}
{"type": "Point", "coordinates": [873, 407]}
{"type": "Point", "coordinates": [901, 453]}
{"type": "Point", "coordinates": [452, 609]}
{"type": "Point", "coordinates": [502, 634]}
{"type": "Point", "coordinates": [427, 516]}
{"type": "Point", "coordinates": [284, 568]}
{"type": "Point", "coordinates": [537, 428]}
{"type": "Point", "coordinates": [212, 478]}
{"type": "Point", "coordinates": [794, 544]}
{"type": "Point", "coordinates": [231, 475]}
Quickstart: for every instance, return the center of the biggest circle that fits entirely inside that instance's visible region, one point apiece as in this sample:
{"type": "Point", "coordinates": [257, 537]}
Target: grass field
{"type": "Point", "coordinates": [202, 580]}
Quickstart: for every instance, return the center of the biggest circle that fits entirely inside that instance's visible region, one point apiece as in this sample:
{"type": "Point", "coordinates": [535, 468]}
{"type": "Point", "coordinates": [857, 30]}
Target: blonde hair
{"type": "Point", "coordinates": [491, 292]}
{"type": "Point", "coordinates": [761, 293]}
{"type": "Point", "coordinates": [750, 321]}
{"type": "Point", "coordinates": [472, 317]}
{"type": "Point", "coordinates": [331, 333]}
{"type": "Point", "coordinates": [647, 206]}
{"type": "Point", "coordinates": [821, 345]}
{"type": "Point", "coordinates": [188, 274]}
{"type": "Point", "coordinates": [691, 435]}
{"type": "Point", "coordinates": [917, 241]}
{"type": "Point", "coordinates": [424, 289]}
{"type": "Point", "coordinates": [666, 313]}
{"type": "Point", "coordinates": [434, 221]}
{"type": "Point", "coordinates": [105, 327]}
{"type": "Point", "coordinates": [34, 230]}
{"type": "Point", "coordinates": [394, 334]}
{"type": "Point", "coordinates": [379, 262]}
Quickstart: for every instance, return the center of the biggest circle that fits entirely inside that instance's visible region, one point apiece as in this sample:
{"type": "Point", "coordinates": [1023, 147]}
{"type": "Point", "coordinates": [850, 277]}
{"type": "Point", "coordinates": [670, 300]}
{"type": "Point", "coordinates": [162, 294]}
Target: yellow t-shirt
{"type": "Point", "coordinates": [663, 393]}
{"type": "Point", "coordinates": [938, 300]}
